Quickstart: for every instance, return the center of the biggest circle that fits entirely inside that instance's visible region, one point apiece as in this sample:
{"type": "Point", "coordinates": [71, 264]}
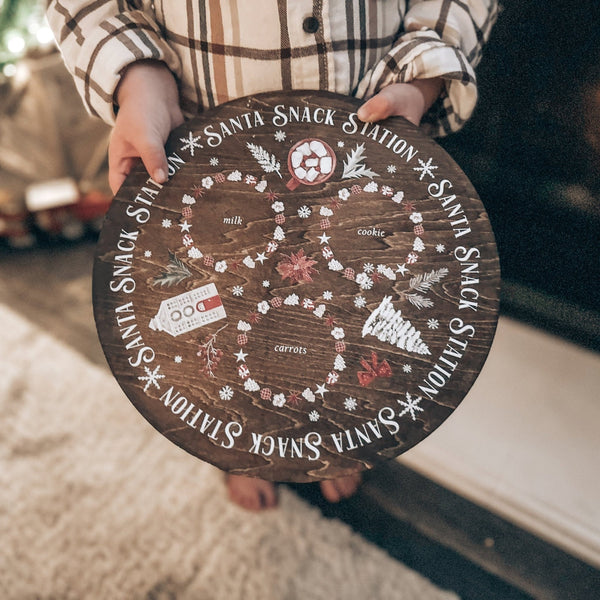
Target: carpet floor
{"type": "Point", "coordinates": [95, 504]}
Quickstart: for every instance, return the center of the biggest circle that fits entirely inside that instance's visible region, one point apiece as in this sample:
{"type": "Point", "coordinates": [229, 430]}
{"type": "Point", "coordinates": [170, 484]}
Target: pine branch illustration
{"type": "Point", "coordinates": [267, 161]}
{"type": "Point", "coordinates": [354, 167]}
{"type": "Point", "coordinates": [424, 281]}
{"type": "Point", "coordinates": [175, 272]}
{"type": "Point", "coordinates": [419, 301]}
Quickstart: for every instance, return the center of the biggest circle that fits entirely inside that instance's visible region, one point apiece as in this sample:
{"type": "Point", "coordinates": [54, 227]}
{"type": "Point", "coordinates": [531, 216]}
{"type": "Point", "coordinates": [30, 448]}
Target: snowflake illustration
{"type": "Point", "coordinates": [313, 415]}
{"type": "Point", "coordinates": [327, 295]}
{"type": "Point", "coordinates": [266, 283]}
{"type": "Point", "coordinates": [226, 393]}
{"type": "Point", "coordinates": [350, 403]}
{"type": "Point", "coordinates": [148, 253]}
{"type": "Point", "coordinates": [190, 143]}
{"type": "Point", "coordinates": [340, 144]}
{"type": "Point", "coordinates": [391, 169]}
{"type": "Point", "coordinates": [381, 269]}
{"type": "Point", "coordinates": [304, 212]}
{"type": "Point", "coordinates": [368, 268]}
{"type": "Point", "coordinates": [166, 223]}
{"type": "Point", "coordinates": [214, 161]}
{"type": "Point", "coordinates": [237, 290]}
{"type": "Point", "coordinates": [407, 368]}
{"type": "Point", "coordinates": [426, 168]}
{"type": "Point", "coordinates": [151, 378]}
{"type": "Point", "coordinates": [360, 302]}
{"type": "Point", "coordinates": [433, 323]}
{"type": "Point", "coordinates": [178, 359]}
{"type": "Point", "coordinates": [410, 406]}
{"type": "Point", "coordinates": [440, 248]}
{"type": "Point", "coordinates": [280, 135]}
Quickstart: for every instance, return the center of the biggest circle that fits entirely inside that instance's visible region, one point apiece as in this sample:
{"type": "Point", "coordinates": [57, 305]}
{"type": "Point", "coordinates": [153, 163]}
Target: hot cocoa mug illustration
{"type": "Point", "coordinates": [310, 162]}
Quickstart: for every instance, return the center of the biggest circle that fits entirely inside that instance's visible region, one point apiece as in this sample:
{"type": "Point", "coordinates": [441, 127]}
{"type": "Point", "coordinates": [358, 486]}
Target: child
{"type": "Point", "coordinates": [143, 66]}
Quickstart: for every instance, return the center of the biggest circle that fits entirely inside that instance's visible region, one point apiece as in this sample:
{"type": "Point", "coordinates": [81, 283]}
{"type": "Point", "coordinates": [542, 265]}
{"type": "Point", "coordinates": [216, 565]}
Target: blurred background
{"type": "Point", "coordinates": [503, 501]}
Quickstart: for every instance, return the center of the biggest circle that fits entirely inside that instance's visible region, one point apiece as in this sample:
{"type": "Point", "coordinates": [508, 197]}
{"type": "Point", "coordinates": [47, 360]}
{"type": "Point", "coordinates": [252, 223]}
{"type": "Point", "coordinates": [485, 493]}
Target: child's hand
{"type": "Point", "coordinates": [408, 100]}
{"type": "Point", "coordinates": [148, 102]}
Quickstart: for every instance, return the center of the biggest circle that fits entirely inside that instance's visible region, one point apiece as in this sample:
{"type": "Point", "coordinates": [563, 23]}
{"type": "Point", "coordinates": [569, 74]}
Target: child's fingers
{"type": "Point", "coordinates": [154, 158]}
{"type": "Point", "coordinates": [376, 108]}
{"type": "Point", "coordinates": [120, 163]}
{"type": "Point", "coordinates": [122, 156]}
{"type": "Point", "coordinates": [394, 100]}
{"type": "Point", "coordinates": [118, 173]}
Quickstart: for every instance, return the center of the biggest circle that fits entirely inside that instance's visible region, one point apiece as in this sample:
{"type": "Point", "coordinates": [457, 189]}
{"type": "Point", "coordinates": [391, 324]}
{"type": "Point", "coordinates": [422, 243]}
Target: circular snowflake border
{"type": "Point", "coordinates": [220, 266]}
{"type": "Point", "coordinates": [309, 393]}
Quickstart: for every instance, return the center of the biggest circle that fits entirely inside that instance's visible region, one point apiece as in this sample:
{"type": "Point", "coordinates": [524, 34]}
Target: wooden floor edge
{"type": "Point", "coordinates": [501, 548]}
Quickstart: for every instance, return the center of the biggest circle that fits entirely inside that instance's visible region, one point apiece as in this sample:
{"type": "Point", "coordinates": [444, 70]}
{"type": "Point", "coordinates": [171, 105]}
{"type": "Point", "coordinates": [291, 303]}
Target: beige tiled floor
{"type": "Point", "coordinates": [525, 442]}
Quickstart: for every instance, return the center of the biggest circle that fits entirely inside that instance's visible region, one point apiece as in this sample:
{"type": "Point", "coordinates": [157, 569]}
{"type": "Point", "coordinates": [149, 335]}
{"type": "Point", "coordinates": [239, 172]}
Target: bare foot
{"type": "Point", "coordinates": [341, 488]}
{"type": "Point", "coordinates": [251, 493]}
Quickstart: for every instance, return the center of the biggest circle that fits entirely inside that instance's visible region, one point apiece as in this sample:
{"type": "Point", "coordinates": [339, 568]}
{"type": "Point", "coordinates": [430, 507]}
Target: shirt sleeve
{"type": "Point", "coordinates": [98, 40]}
{"type": "Point", "coordinates": [440, 38]}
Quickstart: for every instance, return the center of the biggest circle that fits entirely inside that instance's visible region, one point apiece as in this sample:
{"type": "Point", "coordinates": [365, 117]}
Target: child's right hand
{"type": "Point", "coordinates": [148, 102]}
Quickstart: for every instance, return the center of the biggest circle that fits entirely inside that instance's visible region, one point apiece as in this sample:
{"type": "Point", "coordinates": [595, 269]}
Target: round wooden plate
{"type": "Point", "coordinates": [306, 296]}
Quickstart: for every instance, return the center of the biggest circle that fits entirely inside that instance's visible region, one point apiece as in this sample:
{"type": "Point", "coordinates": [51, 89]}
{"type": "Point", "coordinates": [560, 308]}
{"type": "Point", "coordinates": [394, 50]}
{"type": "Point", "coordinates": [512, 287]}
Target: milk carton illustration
{"type": "Point", "coordinates": [188, 311]}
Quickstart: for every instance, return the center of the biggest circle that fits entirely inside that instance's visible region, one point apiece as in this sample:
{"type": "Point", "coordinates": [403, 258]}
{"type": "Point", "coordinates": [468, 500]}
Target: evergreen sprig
{"type": "Point", "coordinates": [175, 272]}
{"type": "Point", "coordinates": [267, 161]}
{"type": "Point", "coordinates": [353, 165]}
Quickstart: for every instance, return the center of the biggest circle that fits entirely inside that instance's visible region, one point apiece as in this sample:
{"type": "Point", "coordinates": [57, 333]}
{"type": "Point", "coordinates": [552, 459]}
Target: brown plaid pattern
{"type": "Point", "coordinates": [225, 49]}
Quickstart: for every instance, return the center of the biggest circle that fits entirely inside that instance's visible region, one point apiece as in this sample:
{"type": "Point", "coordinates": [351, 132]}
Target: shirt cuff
{"type": "Point", "coordinates": [423, 55]}
{"type": "Point", "coordinates": [116, 43]}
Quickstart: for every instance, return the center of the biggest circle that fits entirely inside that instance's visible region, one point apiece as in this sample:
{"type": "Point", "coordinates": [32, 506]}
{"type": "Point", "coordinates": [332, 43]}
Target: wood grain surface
{"type": "Point", "coordinates": [297, 325]}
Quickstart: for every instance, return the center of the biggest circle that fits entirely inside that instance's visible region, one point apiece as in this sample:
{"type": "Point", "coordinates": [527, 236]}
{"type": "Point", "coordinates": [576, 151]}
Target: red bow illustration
{"type": "Point", "coordinates": [373, 370]}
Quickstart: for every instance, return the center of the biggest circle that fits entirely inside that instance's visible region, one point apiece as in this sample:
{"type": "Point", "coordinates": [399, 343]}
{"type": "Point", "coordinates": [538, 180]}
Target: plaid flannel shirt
{"type": "Point", "coordinates": [220, 50]}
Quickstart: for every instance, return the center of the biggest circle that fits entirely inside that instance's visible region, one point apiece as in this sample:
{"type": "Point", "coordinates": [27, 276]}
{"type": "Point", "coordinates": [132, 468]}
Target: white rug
{"type": "Point", "coordinates": [95, 504]}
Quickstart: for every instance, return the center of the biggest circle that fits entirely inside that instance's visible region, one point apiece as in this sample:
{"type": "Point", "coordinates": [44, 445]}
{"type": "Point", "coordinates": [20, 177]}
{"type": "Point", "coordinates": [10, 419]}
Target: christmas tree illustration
{"type": "Point", "coordinates": [387, 325]}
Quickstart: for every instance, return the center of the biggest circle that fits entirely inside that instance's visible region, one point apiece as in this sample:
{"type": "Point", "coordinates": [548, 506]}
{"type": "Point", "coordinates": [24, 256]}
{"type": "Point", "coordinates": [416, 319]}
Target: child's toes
{"type": "Point", "coordinates": [251, 493]}
{"type": "Point", "coordinates": [335, 490]}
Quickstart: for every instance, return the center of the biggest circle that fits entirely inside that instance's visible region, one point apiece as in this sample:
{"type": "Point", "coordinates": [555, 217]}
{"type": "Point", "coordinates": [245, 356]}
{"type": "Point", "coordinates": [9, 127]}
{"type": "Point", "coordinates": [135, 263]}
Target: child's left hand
{"type": "Point", "coordinates": [408, 100]}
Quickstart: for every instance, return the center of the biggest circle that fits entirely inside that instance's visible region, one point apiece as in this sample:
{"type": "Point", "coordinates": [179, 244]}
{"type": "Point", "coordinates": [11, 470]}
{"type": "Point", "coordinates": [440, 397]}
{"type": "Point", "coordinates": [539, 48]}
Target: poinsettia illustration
{"type": "Point", "coordinates": [297, 267]}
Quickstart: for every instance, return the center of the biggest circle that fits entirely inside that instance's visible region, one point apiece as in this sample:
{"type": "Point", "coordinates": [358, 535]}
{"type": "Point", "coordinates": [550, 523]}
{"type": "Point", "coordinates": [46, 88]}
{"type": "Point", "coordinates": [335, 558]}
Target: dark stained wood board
{"type": "Point", "coordinates": [297, 325]}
